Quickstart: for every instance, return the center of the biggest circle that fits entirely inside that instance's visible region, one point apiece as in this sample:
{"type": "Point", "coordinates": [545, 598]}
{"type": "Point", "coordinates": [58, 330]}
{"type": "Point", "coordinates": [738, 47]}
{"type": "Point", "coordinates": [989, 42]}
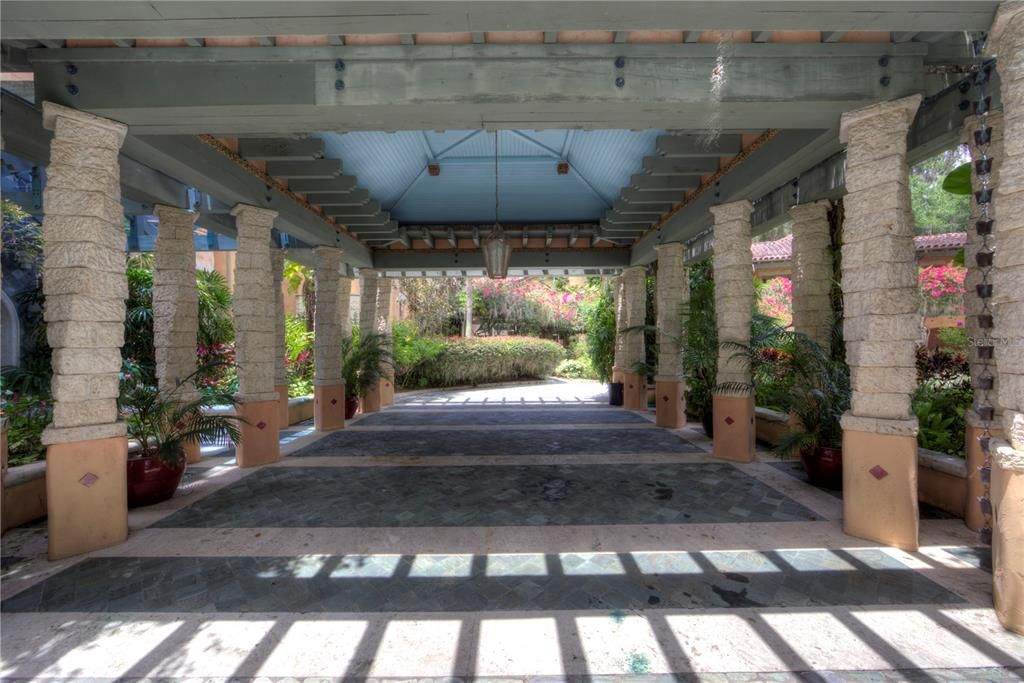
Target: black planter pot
{"type": "Point", "coordinates": [707, 420]}
{"type": "Point", "coordinates": [616, 394]}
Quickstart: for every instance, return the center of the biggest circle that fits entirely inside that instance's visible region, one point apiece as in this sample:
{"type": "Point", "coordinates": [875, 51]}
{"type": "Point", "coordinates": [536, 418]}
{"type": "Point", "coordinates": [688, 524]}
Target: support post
{"type": "Point", "coordinates": [371, 402]}
{"type": "Point", "coordinates": [85, 288]}
{"type": "Point", "coordinates": [176, 307]}
{"type": "Point", "coordinates": [280, 367]}
{"type": "Point", "coordinates": [619, 361]}
{"type": "Point", "coordinates": [1007, 490]}
{"type": "Point", "coordinates": [467, 328]}
{"type": "Point", "coordinates": [386, 385]}
{"type": "Point", "coordinates": [882, 327]}
{"type": "Point", "coordinates": [673, 293]}
{"type": "Point", "coordinates": [255, 345]}
{"type": "Point", "coordinates": [329, 382]}
{"type": "Point", "coordinates": [733, 407]}
{"type": "Point", "coordinates": [812, 272]}
{"type": "Point", "coordinates": [634, 288]}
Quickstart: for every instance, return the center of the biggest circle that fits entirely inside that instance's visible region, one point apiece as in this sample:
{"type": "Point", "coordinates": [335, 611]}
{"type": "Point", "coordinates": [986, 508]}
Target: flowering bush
{"type": "Point", "coordinates": [942, 289]}
{"type": "Point", "coordinates": [489, 359]}
{"type": "Point", "coordinates": [530, 305]}
{"type": "Point", "coordinates": [775, 299]}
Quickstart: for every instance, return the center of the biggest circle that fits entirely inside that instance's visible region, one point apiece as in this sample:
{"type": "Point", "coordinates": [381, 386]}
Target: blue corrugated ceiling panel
{"type": "Point", "coordinates": [392, 167]}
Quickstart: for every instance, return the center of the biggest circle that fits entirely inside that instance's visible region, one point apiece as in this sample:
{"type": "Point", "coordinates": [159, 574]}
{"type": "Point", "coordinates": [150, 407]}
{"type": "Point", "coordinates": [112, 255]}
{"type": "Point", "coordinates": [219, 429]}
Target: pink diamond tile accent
{"type": "Point", "coordinates": [261, 425]}
{"type": "Point", "coordinates": [88, 479]}
{"type": "Point", "coordinates": [334, 401]}
{"type": "Point", "coordinates": [878, 472]}
{"type": "Point", "coordinates": [729, 420]}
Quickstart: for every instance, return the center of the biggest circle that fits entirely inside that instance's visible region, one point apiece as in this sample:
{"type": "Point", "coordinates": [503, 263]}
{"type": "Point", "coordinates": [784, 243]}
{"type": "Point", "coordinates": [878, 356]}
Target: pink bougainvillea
{"type": "Point", "coordinates": [942, 288]}
{"type": "Point", "coordinates": [775, 299]}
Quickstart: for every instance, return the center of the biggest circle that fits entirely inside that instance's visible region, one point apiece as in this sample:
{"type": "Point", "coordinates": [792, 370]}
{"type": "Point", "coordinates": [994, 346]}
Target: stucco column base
{"type": "Point", "coordinates": [634, 391]}
{"type": "Point", "coordinates": [261, 430]}
{"type": "Point", "coordinates": [387, 392]}
{"type": "Point", "coordinates": [282, 398]}
{"type": "Point", "coordinates": [669, 396]}
{"type": "Point", "coordinates": [329, 407]}
{"type": "Point", "coordinates": [193, 453]}
{"type": "Point", "coordinates": [1008, 535]}
{"type": "Point", "coordinates": [87, 495]}
{"type": "Point", "coordinates": [616, 375]}
{"type": "Point", "coordinates": [734, 427]}
{"type": "Point", "coordinates": [975, 459]}
{"type": "Point", "coordinates": [370, 401]}
{"type": "Point", "coordinates": [880, 487]}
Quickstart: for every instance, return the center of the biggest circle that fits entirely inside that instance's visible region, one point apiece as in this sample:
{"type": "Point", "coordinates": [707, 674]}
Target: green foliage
{"type": "Point", "coordinates": [435, 303]}
{"type": "Point", "coordinates": [599, 326]}
{"type": "Point", "coordinates": [215, 320]}
{"type": "Point", "coordinates": [958, 181]}
{"type": "Point", "coordinates": [31, 377]}
{"type": "Point", "coordinates": [22, 234]}
{"type": "Point", "coordinates": [491, 359]}
{"type": "Point", "coordinates": [413, 352]}
{"type": "Point", "coordinates": [163, 422]}
{"type": "Point", "coordinates": [575, 368]}
{"type": "Point", "coordinates": [936, 210]}
{"type": "Point", "coordinates": [700, 351]}
{"type": "Point", "coordinates": [365, 358]}
{"type": "Point", "coordinates": [941, 405]}
{"type": "Point", "coordinates": [953, 339]}
{"type": "Point", "coordinates": [27, 415]}
{"type": "Point", "coordinates": [298, 358]}
{"type": "Point", "coordinates": [138, 320]}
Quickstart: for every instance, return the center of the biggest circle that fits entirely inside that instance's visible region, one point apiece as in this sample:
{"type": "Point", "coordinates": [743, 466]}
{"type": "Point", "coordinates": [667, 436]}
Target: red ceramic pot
{"type": "Point", "coordinates": [824, 467]}
{"type": "Point", "coordinates": [351, 407]}
{"type": "Point", "coordinates": [152, 480]}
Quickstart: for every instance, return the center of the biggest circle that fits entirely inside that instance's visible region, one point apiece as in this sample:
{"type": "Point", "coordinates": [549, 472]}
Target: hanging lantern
{"type": "Point", "coordinates": [497, 253]}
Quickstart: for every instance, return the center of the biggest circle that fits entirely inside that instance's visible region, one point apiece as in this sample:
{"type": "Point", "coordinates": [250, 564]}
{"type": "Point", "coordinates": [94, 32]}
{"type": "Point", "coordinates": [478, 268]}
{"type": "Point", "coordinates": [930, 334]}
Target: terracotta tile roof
{"type": "Point", "coordinates": [782, 249]}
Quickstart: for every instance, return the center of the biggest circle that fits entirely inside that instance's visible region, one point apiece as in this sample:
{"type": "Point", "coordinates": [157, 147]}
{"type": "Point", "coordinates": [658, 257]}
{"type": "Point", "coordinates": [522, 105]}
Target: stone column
{"type": "Point", "coordinates": [329, 383]}
{"type": "Point", "coordinates": [634, 286]}
{"type": "Point", "coordinates": [881, 326]}
{"type": "Point", "coordinates": [176, 307]}
{"type": "Point", "coordinates": [975, 429]}
{"type": "Point", "coordinates": [619, 361]}
{"type": "Point", "coordinates": [812, 272]}
{"type": "Point", "coordinates": [733, 410]}
{"type": "Point", "coordinates": [85, 287]}
{"type": "Point", "coordinates": [673, 292]}
{"type": "Point", "coordinates": [280, 367]}
{"type": "Point", "coordinates": [255, 344]}
{"type": "Point", "coordinates": [387, 380]}
{"type": "Point", "coordinates": [368, 291]}
{"type": "Point", "coordinates": [1007, 491]}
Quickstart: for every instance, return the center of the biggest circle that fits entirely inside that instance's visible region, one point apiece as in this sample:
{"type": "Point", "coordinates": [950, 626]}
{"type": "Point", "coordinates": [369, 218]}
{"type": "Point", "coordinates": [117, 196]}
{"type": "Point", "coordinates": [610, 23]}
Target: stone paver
{"type": "Point", "coordinates": [597, 581]}
{"type": "Point", "coordinates": [456, 417]}
{"type": "Point", "coordinates": [491, 496]}
{"type": "Point", "coordinates": [507, 442]}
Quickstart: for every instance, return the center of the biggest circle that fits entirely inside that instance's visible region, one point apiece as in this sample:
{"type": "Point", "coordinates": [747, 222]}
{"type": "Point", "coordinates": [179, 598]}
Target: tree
{"type": "Point", "coordinates": [935, 210]}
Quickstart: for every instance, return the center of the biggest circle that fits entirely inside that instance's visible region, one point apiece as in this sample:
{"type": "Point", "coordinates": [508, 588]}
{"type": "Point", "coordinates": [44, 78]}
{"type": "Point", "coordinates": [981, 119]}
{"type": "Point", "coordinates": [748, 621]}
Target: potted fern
{"type": "Point", "coordinates": [163, 423]}
{"type": "Point", "coordinates": [364, 358]}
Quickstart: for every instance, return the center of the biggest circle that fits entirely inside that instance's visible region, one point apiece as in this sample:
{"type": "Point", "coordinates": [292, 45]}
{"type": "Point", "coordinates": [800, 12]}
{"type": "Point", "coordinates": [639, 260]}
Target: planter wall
{"type": "Point", "coordinates": [24, 494]}
{"type": "Point", "coordinates": [300, 409]}
{"type": "Point", "coordinates": [771, 425]}
{"type": "Point", "coordinates": [942, 481]}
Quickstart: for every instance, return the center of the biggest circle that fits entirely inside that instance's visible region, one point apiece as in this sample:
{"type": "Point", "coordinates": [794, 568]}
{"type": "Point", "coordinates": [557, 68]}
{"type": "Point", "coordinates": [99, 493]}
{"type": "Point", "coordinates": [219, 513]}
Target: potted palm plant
{"type": "Point", "coordinates": [163, 423]}
{"type": "Point", "coordinates": [364, 358]}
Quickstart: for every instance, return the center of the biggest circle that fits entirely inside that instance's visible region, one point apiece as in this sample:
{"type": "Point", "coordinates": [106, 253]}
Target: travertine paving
{"type": "Point", "coordinates": [652, 560]}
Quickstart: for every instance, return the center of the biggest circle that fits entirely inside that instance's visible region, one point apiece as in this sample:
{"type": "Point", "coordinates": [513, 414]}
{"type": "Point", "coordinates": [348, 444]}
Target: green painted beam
{"type": "Point", "coordinates": [281, 149]}
{"type": "Point", "coordinates": [710, 145]}
{"type": "Point", "coordinates": [385, 259]}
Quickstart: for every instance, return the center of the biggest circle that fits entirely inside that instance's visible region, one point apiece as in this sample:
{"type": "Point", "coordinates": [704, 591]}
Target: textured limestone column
{"type": "Point", "coordinates": [882, 326]}
{"type": "Point", "coordinates": [387, 380]}
{"type": "Point", "coordinates": [280, 367]}
{"type": "Point", "coordinates": [255, 343]}
{"type": "Point", "coordinates": [634, 290]}
{"type": "Point", "coordinates": [85, 287]}
{"type": "Point", "coordinates": [619, 361]}
{"type": "Point", "coordinates": [733, 411]}
{"type": "Point", "coordinates": [368, 292]}
{"type": "Point", "coordinates": [329, 383]}
{"type": "Point", "coordinates": [1007, 493]}
{"type": "Point", "coordinates": [973, 516]}
{"type": "Point", "coordinates": [673, 292]}
{"type": "Point", "coordinates": [812, 272]}
{"type": "Point", "coordinates": [176, 307]}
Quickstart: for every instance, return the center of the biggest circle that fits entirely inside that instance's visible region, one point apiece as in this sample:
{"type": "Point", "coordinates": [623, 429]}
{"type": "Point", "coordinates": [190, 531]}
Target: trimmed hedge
{"type": "Point", "coordinates": [489, 359]}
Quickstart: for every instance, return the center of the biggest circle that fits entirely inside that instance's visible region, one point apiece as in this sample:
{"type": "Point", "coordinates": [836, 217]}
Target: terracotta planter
{"type": "Point", "coordinates": [351, 407]}
{"type": "Point", "coordinates": [151, 480]}
{"type": "Point", "coordinates": [824, 467]}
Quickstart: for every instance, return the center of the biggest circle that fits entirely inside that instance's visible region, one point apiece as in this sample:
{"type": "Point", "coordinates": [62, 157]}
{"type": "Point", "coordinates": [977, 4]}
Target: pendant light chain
{"type": "Point", "coordinates": [496, 204]}
{"type": "Point", "coordinates": [985, 381]}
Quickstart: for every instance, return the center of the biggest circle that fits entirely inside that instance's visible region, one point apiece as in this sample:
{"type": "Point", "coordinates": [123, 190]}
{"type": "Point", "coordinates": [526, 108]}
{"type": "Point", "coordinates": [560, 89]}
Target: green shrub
{"type": "Point", "coordinates": [940, 405]}
{"type": "Point", "coordinates": [599, 324]}
{"type": "Point", "coordinates": [413, 351]}
{"type": "Point", "coordinates": [575, 368]}
{"type": "Point", "coordinates": [953, 339]}
{"type": "Point", "coordinates": [491, 359]}
{"type": "Point", "coordinates": [27, 415]}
